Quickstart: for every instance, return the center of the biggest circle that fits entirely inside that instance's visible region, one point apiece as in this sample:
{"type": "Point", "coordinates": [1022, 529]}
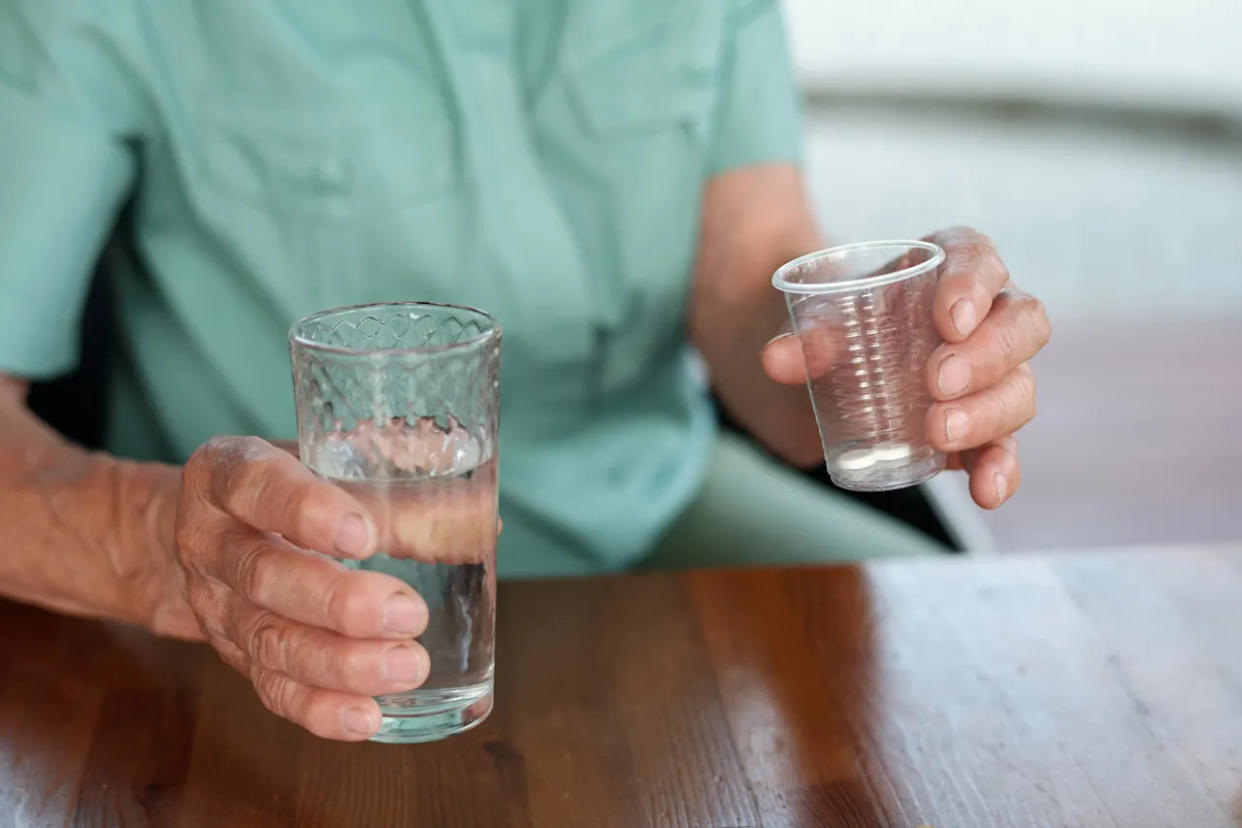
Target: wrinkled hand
{"type": "Point", "coordinates": [979, 376]}
{"type": "Point", "coordinates": [317, 640]}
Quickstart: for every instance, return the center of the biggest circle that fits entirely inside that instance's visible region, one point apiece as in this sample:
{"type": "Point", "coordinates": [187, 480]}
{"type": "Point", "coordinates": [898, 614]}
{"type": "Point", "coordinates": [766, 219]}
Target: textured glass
{"type": "Point", "coordinates": [398, 405]}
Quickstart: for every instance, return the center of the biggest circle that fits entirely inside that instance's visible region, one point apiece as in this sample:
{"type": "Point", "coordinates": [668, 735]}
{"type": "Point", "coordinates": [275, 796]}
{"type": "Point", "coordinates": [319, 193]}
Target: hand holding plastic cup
{"type": "Point", "coordinates": [863, 314]}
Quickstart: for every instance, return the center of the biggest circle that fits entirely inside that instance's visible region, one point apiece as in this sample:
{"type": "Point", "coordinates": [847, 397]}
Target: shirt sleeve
{"type": "Point", "coordinates": [758, 116]}
{"type": "Point", "coordinates": [64, 173]}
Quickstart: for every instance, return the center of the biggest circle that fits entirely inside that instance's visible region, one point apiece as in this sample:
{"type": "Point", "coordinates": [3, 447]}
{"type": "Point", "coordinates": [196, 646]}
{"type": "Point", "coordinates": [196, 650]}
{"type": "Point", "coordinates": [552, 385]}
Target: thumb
{"type": "Point", "coordinates": [783, 360]}
{"type": "Point", "coordinates": [790, 358]}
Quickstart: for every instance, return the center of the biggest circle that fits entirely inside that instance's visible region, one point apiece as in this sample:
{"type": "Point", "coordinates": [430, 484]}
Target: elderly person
{"type": "Point", "coordinates": [615, 180]}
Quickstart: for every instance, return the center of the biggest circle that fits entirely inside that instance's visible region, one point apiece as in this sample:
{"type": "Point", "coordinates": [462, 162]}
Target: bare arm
{"type": "Point", "coordinates": [82, 532]}
{"type": "Point", "coordinates": [754, 220]}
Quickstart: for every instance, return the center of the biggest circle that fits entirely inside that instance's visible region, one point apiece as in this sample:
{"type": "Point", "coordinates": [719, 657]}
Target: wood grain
{"type": "Point", "coordinates": [1093, 689]}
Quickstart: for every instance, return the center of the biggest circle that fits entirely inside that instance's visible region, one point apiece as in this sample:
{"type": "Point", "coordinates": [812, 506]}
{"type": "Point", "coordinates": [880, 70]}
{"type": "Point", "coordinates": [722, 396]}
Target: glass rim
{"type": "Point", "coordinates": [295, 338]}
{"type": "Point", "coordinates": [781, 283]}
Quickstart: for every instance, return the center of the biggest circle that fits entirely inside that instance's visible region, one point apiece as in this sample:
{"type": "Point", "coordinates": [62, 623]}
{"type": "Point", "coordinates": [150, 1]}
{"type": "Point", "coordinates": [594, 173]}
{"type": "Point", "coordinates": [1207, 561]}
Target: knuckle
{"type": "Point", "coordinates": [1005, 343]}
{"type": "Point", "coordinates": [1039, 320]}
{"type": "Point", "coordinates": [247, 481]}
{"type": "Point", "coordinates": [273, 689]}
{"type": "Point", "coordinates": [204, 455]}
{"type": "Point", "coordinates": [196, 536]}
{"type": "Point", "coordinates": [201, 598]}
{"type": "Point", "coordinates": [1024, 380]}
{"type": "Point", "coordinates": [1029, 310]}
{"type": "Point", "coordinates": [185, 536]}
{"type": "Point", "coordinates": [1002, 413]}
{"type": "Point", "coordinates": [980, 246]}
{"type": "Point", "coordinates": [218, 444]}
{"type": "Point", "coordinates": [966, 259]}
{"type": "Point", "coordinates": [250, 446]}
{"type": "Point", "coordinates": [958, 234]}
{"type": "Point", "coordinates": [265, 640]}
{"type": "Point", "coordinates": [993, 258]}
{"type": "Point", "coordinates": [208, 457]}
{"type": "Point", "coordinates": [255, 570]}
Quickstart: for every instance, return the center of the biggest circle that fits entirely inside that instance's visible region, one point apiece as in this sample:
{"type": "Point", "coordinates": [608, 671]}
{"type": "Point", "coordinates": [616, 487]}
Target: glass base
{"type": "Point", "coordinates": [884, 477]}
{"type": "Point", "coordinates": [431, 714]}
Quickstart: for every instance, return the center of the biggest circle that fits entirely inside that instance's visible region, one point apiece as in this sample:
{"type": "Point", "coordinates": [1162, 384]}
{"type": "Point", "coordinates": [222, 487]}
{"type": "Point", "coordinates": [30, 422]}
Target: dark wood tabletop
{"type": "Point", "coordinates": [1075, 689]}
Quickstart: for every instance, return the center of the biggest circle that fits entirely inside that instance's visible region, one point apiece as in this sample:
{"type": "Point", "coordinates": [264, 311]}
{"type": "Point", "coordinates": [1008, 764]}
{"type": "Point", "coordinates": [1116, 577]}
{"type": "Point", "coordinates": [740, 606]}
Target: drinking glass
{"type": "Point", "coordinates": [398, 404]}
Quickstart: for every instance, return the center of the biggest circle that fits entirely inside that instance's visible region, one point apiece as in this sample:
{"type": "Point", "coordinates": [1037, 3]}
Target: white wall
{"type": "Point", "coordinates": [1173, 54]}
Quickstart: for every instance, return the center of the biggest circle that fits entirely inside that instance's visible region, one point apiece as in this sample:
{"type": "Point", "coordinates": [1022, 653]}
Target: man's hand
{"type": "Point", "coordinates": [316, 639]}
{"type": "Point", "coordinates": [980, 376]}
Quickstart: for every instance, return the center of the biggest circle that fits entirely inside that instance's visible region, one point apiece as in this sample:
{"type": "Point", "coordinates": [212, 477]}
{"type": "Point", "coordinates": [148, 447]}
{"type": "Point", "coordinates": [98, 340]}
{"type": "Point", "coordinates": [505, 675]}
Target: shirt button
{"type": "Point", "coordinates": [333, 175]}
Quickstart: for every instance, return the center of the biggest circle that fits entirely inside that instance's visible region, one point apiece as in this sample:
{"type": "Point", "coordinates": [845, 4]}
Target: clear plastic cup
{"type": "Point", "coordinates": [863, 313]}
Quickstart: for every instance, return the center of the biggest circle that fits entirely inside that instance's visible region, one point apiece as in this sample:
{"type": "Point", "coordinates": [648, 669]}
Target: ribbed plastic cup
{"type": "Point", "coordinates": [863, 313]}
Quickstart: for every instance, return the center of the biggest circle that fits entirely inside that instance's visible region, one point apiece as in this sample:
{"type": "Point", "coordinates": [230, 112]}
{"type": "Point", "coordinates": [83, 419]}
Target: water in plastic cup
{"type": "Point", "coordinates": [398, 404]}
{"type": "Point", "coordinates": [863, 314]}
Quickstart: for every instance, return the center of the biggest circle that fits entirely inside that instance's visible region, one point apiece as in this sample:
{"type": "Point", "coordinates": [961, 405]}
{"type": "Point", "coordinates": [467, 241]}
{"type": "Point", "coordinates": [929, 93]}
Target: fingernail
{"type": "Point", "coordinates": [402, 664]}
{"type": "Point", "coordinates": [359, 721]}
{"type": "Point", "coordinates": [353, 536]}
{"type": "Point", "coordinates": [954, 375]}
{"type": "Point", "coordinates": [955, 421]}
{"type": "Point", "coordinates": [778, 338]}
{"type": "Point", "coordinates": [963, 314]}
{"type": "Point", "coordinates": [401, 615]}
{"type": "Point", "coordinates": [1001, 487]}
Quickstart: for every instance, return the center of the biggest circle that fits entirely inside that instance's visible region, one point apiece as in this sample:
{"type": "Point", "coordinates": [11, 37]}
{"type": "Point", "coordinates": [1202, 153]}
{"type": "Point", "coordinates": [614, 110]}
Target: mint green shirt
{"type": "Point", "coordinates": [251, 161]}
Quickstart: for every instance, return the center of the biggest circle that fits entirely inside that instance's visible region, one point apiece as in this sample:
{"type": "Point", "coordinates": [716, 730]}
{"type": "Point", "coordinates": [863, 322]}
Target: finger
{"type": "Point", "coordinates": [790, 358]}
{"type": "Point", "coordinates": [267, 488]}
{"type": "Point", "coordinates": [1014, 331]}
{"type": "Point", "coordinates": [321, 658]}
{"type": "Point", "coordinates": [783, 360]}
{"type": "Point", "coordinates": [300, 585]}
{"type": "Point", "coordinates": [972, 274]}
{"type": "Point", "coordinates": [329, 714]}
{"type": "Point", "coordinates": [451, 521]}
{"type": "Point", "coordinates": [985, 415]}
{"type": "Point", "coordinates": [995, 472]}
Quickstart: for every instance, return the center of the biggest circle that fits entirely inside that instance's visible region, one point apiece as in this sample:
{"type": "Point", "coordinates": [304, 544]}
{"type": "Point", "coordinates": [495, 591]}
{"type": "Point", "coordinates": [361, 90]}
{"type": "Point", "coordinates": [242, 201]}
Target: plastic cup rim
{"type": "Point", "coordinates": [781, 283]}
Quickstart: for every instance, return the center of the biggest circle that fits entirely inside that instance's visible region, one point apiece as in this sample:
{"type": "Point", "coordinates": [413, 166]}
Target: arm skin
{"type": "Point", "coordinates": [84, 533]}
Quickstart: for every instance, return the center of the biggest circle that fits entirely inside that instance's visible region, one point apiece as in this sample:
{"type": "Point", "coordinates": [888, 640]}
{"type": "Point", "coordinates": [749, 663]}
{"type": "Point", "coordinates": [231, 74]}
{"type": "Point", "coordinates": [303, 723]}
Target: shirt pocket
{"type": "Point", "coordinates": [308, 197]}
{"type": "Point", "coordinates": [659, 72]}
{"type": "Point", "coordinates": [327, 161]}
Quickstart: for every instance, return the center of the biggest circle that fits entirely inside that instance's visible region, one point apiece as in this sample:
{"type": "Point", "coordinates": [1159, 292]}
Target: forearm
{"type": "Point", "coordinates": [82, 532]}
{"type": "Point", "coordinates": [754, 221]}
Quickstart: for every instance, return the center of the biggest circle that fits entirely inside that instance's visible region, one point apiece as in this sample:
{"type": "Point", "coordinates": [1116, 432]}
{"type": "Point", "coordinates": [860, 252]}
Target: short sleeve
{"type": "Point", "coordinates": [64, 173]}
{"type": "Point", "coordinates": [758, 116]}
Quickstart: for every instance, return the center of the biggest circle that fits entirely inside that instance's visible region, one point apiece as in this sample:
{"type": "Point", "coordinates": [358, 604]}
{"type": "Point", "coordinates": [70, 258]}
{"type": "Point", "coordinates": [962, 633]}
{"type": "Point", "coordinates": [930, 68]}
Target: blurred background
{"type": "Point", "coordinates": [1099, 143]}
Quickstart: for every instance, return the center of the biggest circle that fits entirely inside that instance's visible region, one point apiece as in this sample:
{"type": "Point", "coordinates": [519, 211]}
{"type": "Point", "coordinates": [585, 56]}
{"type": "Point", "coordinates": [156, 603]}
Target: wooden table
{"type": "Point", "coordinates": [1094, 689]}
